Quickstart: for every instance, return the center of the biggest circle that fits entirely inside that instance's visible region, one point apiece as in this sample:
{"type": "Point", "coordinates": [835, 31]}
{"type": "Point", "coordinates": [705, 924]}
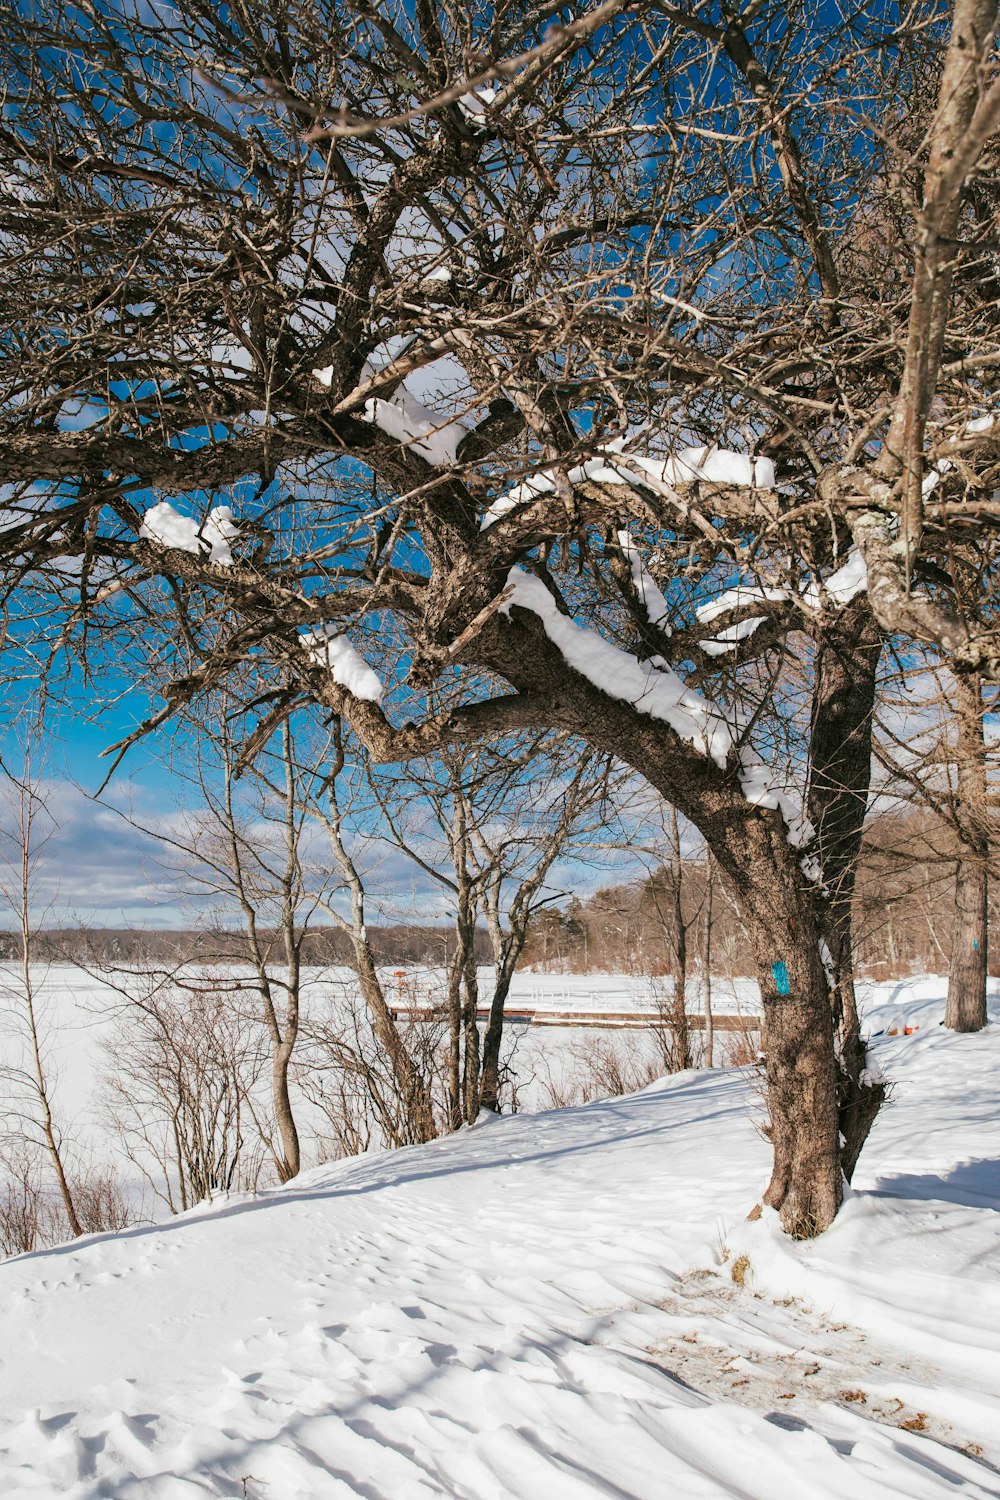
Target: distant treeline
{"type": "Point", "coordinates": [903, 923]}
{"type": "Point", "coordinates": [903, 913]}
{"type": "Point", "coordinates": [402, 944]}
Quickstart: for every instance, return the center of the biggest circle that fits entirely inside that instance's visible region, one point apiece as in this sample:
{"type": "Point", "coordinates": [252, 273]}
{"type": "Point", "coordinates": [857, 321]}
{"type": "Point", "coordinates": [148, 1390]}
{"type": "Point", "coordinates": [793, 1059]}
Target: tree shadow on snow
{"type": "Point", "coordinates": [974, 1184]}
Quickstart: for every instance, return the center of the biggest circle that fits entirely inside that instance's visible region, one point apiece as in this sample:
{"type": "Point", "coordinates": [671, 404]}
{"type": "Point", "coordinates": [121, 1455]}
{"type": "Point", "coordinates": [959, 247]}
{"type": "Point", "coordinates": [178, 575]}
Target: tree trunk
{"type": "Point", "coordinates": [843, 704]}
{"type": "Point", "coordinates": [411, 1087]}
{"type": "Point", "coordinates": [455, 1042]}
{"type": "Point", "coordinates": [489, 1091]}
{"type": "Point", "coordinates": [505, 956]}
{"type": "Point", "coordinates": [470, 1032]}
{"type": "Point", "coordinates": [291, 1159]}
{"type": "Point", "coordinates": [966, 1005]}
{"type": "Point", "coordinates": [779, 903]}
{"type": "Point", "coordinates": [680, 1026]}
{"type": "Point", "coordinates": [806, 1184]}
{"type": "Point", "coordinates": [706, 964]}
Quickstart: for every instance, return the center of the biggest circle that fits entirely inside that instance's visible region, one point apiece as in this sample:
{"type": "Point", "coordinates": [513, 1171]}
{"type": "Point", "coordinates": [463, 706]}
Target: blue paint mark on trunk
{"type": "Point", "coordinates": [781, 979]}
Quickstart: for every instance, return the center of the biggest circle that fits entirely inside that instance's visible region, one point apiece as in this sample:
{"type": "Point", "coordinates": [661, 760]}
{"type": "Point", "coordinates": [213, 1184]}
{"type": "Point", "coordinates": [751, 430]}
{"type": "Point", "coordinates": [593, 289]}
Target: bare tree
{"type": "Point", "coordinates": [183, 1067]}
{"type": "Point", "coordinates": [25, 1217]}
{"type": "Point", "coordinates": [486, 824]}
{"type": "Point", "coordinates": [675, 892]}
{"type": "Point", "coordinates": [352, 1081]}
{"type": "Point", "coordinates": [457, 287]}
{"type": "Point", "coordinates": [247, 844]}
{"type": "Point", "coordinates": [412, 1109]}
{"type": "Point", "coordinates": [935, 759]}
{"type": "Point", "coordinates": [26, 829]}
{"type": "Point", "coordinates": [237, 849]}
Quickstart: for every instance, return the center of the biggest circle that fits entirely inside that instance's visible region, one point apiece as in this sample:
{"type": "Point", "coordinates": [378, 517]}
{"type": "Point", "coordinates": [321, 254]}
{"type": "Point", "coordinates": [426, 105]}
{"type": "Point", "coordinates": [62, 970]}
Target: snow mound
{"type": "Point", "coordinates": [546, 1307]}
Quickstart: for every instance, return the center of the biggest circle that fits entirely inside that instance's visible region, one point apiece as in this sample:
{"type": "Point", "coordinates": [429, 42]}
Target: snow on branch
{"type": "Point", "coordinates": [654, 688]}
{"type": "Point", "coordinates": [850, 580]}
{"type": "Point", "coordinates": [402, 417]}
{"type": "Point", "coordinates": [653, 602]}
{"type": "Point", "coordinates": [164, 524]}
{"type": "Point", "coordinates": [843, 585]}
{"type": "Point", "coordinates": [415, 426]}
{"type": "Point", "coordinates": [763, 787]}
{"type": "Point", "coordinates": [737, 598]}
{"type": "Point", "coordinates": [610, 465]}
{"type": "Point", "coordinates": [473, 105]}
{"type": "Point", "coordinates": [328, 647]}
{"type": "Point", "coordinates": [729, 637]}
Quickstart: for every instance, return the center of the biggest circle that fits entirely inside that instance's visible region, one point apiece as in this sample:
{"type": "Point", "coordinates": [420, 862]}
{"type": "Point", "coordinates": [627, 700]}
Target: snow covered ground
{"type": "Point", "coordinates": [547, 1307]}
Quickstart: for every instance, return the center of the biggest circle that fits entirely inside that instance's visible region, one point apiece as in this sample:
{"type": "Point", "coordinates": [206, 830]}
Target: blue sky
{"type": "Point", "coordinates": [98, 868]}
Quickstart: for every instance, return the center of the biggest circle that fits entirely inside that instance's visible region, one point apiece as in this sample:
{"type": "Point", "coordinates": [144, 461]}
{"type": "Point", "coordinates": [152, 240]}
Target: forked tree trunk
{"type": "Point", "coordinates": [779, 902]}
{"type": "Point", "coordinates": [412, 1088]}
{"type": "Point", "coordinates": [966, 1006]}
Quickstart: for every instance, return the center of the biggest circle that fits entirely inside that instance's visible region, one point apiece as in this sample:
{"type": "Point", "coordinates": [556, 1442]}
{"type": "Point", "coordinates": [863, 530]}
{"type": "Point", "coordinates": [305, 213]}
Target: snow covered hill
{"type": "Point", "coordinates": [547, 1307]}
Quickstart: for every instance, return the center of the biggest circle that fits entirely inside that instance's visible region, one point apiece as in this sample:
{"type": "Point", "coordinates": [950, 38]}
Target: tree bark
{"type": "Point", "coordinates": [470, 1029]}
{"type": "Point", "coordinates": [843, 704]}
{"type": "Point", "coordinates": [284, 1115]}
{"type": "Point", "coordinates": [505, 956]}
{"type": "Point", "coordinates": [489, 1091]}
{"type": "Point", "coordinates": [806, 1184]}
{"type": "Point", "coordinates": [966, 1005]}
{"type": "Point", "coordinates": [681, 1028]}
{"type": "Point", "coordinates": [455, 1041]}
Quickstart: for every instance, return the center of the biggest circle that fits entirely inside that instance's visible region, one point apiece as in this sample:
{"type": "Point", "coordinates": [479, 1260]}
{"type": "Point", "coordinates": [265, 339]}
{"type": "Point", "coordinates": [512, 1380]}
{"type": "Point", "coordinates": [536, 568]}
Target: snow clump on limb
{"type": "Point", "coordinates": [652, 687]}
{"type": "Point", "coordinates": [611, 466]}
{"type": "Point", "coordinates": [348, 668]}
{"type": "Point", "coordinates": [735, 599]}
{"type": "Point", "coordinates": [849, 580]}
{"type": "Point", "coordinates": [473, 105]}
{"type": "Point", "coordinates": [763, 786]}
{"type": "Point", "coordinates": [843, 585]}
{"type": "Point", "coordinates": [655, 605]}
{"type": "Point", "coordinates": [413, 425]}
{"type": "Point", "coordinates": [164, 524]}
{"type": "Point", "coordinates": [729, 638]}
{"type": "Point", "coordinates": [429, 434]}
